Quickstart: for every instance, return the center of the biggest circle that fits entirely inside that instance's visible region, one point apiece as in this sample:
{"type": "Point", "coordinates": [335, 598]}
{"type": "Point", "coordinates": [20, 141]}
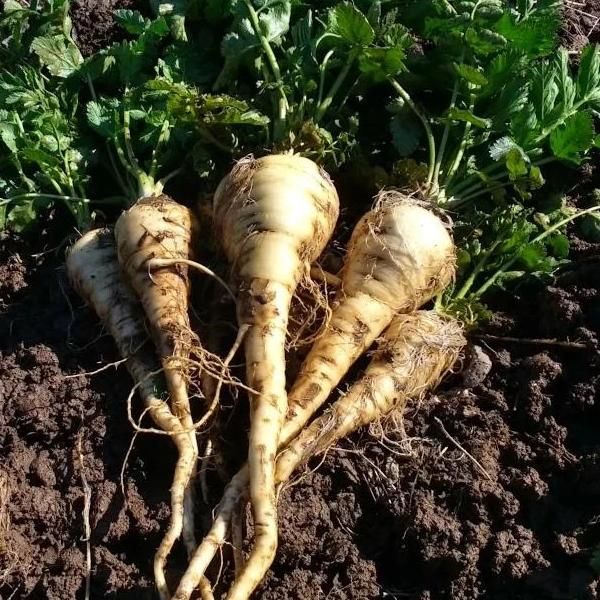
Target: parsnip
{"type": "Point", "coordinates": [156, 230]}
{"type": "Point", "coordinates": [94, 272]}
{"type": "Point", "coordinates": [400, 255]}
{"type": "Point", "coordinates": [273, 216]}
{"type": "Point", "coordinates": [414, 353]}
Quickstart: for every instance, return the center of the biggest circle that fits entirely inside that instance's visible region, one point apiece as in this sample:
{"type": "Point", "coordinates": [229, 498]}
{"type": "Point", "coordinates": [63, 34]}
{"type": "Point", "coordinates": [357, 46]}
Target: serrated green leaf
{"type": "Point", "coordinates": [484, 41]}
{"type": "Point", "coordinates": [535, 177]}
{"type": "Point", "coordinates": [466, 116]}
{"type": "Point", "coordinates": [381, 63]}
{"type": "Point", "coordinates": [131, 20]}
{"type": "Point", "coordinates": [544, 90]}
{"type": "Point", "coordinates": [559, 243]}
{"type": "Point", "coordinates": [8, 136]}
{"type": "Point", "coordinates": [588, 76]}
{"type": "Point", "coordinates": [21, 216]}
{"type": "Point", "coordinates": [60, 57]}
{"type": "Point", "coordinates": [516, 163]}
{"type": "Point", "coordinates": [347, 22]}
{"type": "Point", "coordinates": [535, 36]}
{"type": "Point", "coordinates": [12, 6]}
{"type": "Point", "coordinates": [564, 80]}
{"type": "Point", "coordinates": [500, 148]}
{"type": "Point", "coordinates": [573, 138]}
{"type": "Point", "coordinates": [444, 27]}
{"type": "Point", "coordinates": [226, 110]}
{"type": "Point", "coordinates": [275, 21]}
{"type": "Point", "coordinates": [470, 74]}
{"type": "Point", "coordinates": [101, 117]}
{"type": "Point", "coordinates": [374, 13]}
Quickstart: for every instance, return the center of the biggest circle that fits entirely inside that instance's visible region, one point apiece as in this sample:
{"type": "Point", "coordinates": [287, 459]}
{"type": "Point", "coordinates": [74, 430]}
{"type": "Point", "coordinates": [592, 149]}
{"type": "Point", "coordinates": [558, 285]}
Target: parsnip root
{"type": "Point", "coordinates": [94, 273]}
{"type": "Point", "coordinates": [274, 216]}
{"type": "Point", "coordinates": [414, 353]}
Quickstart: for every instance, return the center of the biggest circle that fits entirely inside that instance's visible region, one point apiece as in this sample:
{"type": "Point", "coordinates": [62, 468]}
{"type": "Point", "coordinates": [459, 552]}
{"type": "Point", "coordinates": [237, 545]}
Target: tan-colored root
{"type": "Point", "coordinates": [273, 216]}
{"type": "Point", "coordinates": [205, 589]}
{"type": "Point", "coordinates": [377, 254]}
{"type": "Point", "coordinates": [94, 272]}
{"type": "Point", "coordinates": [158, 228]}
{"type": "Point", "coordinates": [265, 367]}
{"type": "Point", "coordinates": [414, 354]}
{"type": "Point", "coordinates": [161, 263]}
{"type": "Point", "coordinates": [236, 489]}
{"type": "Point", "coordinates": [384, 273]}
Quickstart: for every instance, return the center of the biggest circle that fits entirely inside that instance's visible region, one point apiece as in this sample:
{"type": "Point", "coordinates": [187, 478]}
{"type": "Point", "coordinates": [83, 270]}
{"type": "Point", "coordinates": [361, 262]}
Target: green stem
{"type": "Point", "coordinates": [39, 196]}
{"type": "Point", "coordinates": [430, 139]}
{"type": "Point", "coordinates": [163, 181]}
{"type": "Point", "coordinates": [468, 284]}
{"type": "Point", "coordinates": [326, 103]}
{"type": "Point", "coordinates": [115, 169]}
{"type": "Point", "coordinates": [461, 148]}
{"type": "Point", "coordinates": [136, 169]}
{"type": "Point", "coordinates": [507, 265]}
{"type": "Point", "coordinates": [459, 187]}
{"type": "Point", "coordinates": [283, 104]}
{"type": "Point", "coordinates": [477, 190]}
{"type": "Point", "coordinates": [324, 64]}
{"type": "Point", "coordinates": [162, 138]}
{"type": "Point", "coordinates": [440, 156]}
{"type": "Point", "coordinates": [461, 200]}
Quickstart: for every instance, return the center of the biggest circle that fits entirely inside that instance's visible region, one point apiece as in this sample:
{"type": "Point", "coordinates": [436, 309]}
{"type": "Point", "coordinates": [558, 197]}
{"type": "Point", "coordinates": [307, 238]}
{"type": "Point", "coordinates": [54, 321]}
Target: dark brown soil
{"type": "Point", "coordinates": [94, 24]}
{"type": "Point", "coordinates": [581, 23]}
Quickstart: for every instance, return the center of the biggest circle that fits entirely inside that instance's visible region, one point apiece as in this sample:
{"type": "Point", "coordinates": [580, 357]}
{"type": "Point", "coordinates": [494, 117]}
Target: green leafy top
{"type": "Point", "coordinates": [45, 158]}
{"type": "Point", "coordinates": [306, 67]}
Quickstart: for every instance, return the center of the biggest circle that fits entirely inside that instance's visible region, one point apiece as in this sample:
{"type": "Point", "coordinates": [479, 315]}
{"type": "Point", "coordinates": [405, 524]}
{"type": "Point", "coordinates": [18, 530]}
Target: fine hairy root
{"type": "Point", "coordinates": [274, 216]}
{"type": "Point", "coordinates": [94, 272]}
{"type": "Point", "coordinates": [414, 353]}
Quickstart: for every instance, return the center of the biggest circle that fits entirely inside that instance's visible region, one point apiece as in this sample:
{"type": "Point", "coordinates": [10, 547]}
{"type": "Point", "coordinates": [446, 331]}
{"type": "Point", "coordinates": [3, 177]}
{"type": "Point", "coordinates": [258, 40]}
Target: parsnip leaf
{"type": "Point", "coordinates": [573, 138]}
{"type": "Point", "coordinates": [347, 22]}
{"type": "Point", "coordinates": [57, 54]}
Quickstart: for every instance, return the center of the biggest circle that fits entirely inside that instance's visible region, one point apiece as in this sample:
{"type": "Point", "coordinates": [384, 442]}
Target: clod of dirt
{"type": "Point", "coordinates": [477, 368]}
{"type": "Point", "coordinates": [94, 24]}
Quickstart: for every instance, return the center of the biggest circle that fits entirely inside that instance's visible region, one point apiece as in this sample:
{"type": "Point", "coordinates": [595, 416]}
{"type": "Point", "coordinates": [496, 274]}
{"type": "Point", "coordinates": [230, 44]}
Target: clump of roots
{"type": "Point", "coordinates": [310, 311]}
